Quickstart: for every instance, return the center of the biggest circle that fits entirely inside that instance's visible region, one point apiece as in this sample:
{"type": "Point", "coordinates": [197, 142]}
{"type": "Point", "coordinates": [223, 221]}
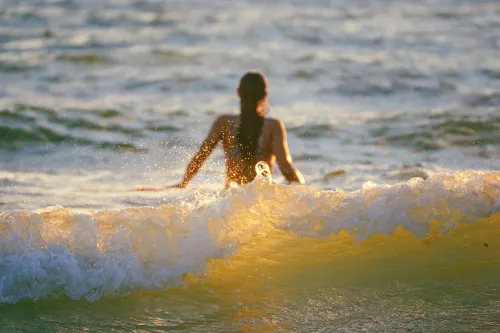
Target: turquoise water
{"type": "Point", "coordinates": [392, 111]}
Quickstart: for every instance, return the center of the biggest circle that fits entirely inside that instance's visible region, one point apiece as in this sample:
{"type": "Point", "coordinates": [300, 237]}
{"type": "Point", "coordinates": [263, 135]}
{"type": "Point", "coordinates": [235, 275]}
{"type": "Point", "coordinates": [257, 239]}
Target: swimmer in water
{"type": "Point", "coordinates": [247, 139]}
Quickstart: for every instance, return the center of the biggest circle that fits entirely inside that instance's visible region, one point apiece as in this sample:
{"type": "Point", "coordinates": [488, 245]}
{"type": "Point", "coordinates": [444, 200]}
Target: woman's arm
{"type": "Point", "coordinates": [280, 150]}
{"type": "Point", "coordinates": [206, 148]}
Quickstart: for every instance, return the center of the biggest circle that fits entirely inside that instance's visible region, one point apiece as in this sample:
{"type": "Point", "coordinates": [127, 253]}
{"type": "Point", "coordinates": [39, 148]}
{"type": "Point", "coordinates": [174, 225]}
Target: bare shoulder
{"type": "Point", "coordinates": [226, 117]}
{"type": "Point", "coordinates": [224, 120]}
{"type": "Point", "coordinates": [276, 124]}
{"type": "Point", "coordinates": [223, 124]}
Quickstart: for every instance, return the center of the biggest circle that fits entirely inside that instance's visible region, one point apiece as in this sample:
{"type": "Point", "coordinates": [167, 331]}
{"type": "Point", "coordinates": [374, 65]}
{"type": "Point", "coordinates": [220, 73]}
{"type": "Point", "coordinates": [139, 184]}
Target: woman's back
{"type": "Point", "coordinates": [241, 170]}
{"type": "Point", "coordinates": [272, 146]}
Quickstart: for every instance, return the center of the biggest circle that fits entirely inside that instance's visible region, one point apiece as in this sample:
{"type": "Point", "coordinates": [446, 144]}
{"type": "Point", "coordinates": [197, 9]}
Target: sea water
{"type": "Point", "coordinates": [392, 113]}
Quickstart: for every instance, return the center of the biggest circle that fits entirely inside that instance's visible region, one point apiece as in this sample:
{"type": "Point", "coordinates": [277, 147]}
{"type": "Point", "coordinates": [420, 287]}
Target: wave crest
{"type": "Point", "coordinates": [56, 252]}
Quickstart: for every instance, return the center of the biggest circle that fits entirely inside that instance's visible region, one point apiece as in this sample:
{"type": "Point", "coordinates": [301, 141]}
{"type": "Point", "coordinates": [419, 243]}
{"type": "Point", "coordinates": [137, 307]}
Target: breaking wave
{"type": "Point", "coordinates": [56, 252]}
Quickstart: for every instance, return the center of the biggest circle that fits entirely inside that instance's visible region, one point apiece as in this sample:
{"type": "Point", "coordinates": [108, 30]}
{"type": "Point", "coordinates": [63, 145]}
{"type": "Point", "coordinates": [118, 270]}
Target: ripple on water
{"type": "Point", "coordinates": [312, 131]}
{"type": "Point", "coordinates": [488, 98]}
{"type": "Point", "coordinates": [16, 66]}
{"type": "Point", "coordinates": [24, 124]}
{"type": "Point", "coordinates": [455, 128]}
{"type": "Point", "coordinates": [90, 59]}
{"type": "Point", "coordinates": [492, 73]}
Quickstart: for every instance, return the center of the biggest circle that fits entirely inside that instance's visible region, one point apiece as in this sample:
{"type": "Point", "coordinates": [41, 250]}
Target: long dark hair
{"type": "Point", "coordinates": [252, 89]}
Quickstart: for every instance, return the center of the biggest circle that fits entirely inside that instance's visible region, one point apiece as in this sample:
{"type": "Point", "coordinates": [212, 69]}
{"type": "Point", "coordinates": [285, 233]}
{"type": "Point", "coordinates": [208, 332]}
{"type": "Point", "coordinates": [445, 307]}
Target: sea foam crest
{"type": "Point", "coordinates": [56, 251]}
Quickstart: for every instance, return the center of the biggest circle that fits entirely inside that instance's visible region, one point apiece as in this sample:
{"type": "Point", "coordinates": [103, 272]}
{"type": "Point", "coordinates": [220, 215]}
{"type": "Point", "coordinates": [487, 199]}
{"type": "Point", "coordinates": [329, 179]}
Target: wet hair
{"type": "Point", "coordinates": [252, 89]}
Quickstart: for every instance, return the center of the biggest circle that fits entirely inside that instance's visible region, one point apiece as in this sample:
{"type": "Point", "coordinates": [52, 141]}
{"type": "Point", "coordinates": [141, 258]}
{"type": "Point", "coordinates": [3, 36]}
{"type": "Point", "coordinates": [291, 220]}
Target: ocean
{"type": "Point", "coordinates": [392, 110]}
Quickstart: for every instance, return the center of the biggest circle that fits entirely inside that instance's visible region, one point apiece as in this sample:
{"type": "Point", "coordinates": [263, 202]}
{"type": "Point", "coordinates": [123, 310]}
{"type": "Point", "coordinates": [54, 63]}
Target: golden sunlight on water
{"type": "Point", "coordinates": [279, 282]}
{"type": "Point", "coordinates": [279, 268]}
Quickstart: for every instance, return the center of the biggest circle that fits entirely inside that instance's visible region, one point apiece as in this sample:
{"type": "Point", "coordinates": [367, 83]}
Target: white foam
{"type": "Point", "coordinates": [56, 252]}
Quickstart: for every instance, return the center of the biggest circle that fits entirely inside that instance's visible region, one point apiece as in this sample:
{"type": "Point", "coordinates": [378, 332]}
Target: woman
{"type": "Point", "coordinates": [247, 138]}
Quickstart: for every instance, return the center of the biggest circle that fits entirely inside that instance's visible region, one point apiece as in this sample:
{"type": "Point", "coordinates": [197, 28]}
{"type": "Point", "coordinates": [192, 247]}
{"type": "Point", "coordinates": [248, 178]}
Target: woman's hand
{"type": "Point", "coordinates": [149, 189]}
{"type": "Point", "coordinates": [159, 189]}
{"type": "Point", "coordinates": [181, 185]}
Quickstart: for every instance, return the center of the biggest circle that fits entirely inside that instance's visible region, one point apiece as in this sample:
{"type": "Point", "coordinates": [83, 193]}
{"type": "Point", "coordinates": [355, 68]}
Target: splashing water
{"type": "Point", "coordinates": [57, 251]}
{"type": "Point", "coordinates": [263, 171]}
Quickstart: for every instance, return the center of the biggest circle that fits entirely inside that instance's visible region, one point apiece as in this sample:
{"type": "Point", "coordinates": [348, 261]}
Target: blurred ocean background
{"type": "Point", "coordinates": [393, 116]}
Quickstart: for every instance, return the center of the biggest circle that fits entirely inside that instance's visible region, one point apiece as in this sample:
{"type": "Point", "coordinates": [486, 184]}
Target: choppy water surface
{"type": "Point", "coordinates": [99, 97]}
